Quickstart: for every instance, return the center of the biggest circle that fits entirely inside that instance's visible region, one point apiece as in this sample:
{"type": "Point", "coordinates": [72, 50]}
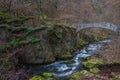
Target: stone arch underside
{"type": "Point", "coordinates": [104, 25]}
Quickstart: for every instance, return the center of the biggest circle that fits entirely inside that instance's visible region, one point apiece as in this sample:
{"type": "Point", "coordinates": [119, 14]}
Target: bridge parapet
{"type": "Point", "coordinates": [105, 25]}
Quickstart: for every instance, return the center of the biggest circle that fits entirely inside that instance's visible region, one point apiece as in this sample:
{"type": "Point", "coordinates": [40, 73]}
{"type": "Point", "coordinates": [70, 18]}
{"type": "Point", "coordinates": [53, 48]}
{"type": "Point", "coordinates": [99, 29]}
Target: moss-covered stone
{"type": "Point", "coordinates": [94, 70]}
{"type": "Point", "coordinates": [49, 76]}
{"type": "Point", "coordinates": [94, 62]}
{"type": "Point", "coordinates": [81, 42]}
{"type": "Point", "coordinates": [37, 42]}
{"type": "Point", "coordinates": [65, 56]}
{"type": "Point", "coordinates": [76, 76]}
{"type": "Point", "coordinates": [37, 78]}
{"type": "Point", "coordinates": [67, 62]}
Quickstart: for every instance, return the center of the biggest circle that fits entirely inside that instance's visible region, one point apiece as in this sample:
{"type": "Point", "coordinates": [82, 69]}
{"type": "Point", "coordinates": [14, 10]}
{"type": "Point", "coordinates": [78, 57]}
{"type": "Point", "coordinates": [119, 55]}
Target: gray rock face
{"type": "Point", "coordinates": [48, 44]}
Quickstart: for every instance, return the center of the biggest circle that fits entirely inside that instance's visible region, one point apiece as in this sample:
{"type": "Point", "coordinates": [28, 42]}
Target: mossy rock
{"type": "Point", "coordinates": [49, 76]}
{"type": "Point", "coordinates": [81, 42]}
{"type": "Point", "coordinates": [76, 76]}
{"type": "Point", "coordinates": [65, 56]}
{"type": "Point", "coordinates": [12, 43]}
{"type": "Point", "coordinates": [51, 59]}
{"type": "Point", "coordinates": [94, 70]}
{"type": "Point", "coordinates": [91, 63]}
{"type": "Point", "coordinates": [67, 62]}
{"type": "Point", "coordinates": [117, 77]}
{"type": "Point", "coordinates": [37, 78]}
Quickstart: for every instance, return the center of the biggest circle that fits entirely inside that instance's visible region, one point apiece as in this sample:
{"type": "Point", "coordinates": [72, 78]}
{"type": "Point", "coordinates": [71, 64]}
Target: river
{"type": "Point", "coordinates": [64, 68]}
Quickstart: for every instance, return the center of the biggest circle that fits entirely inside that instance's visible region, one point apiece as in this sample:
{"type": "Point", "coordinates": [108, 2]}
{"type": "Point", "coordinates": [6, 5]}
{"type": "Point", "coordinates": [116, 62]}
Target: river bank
{"type": "Point", "coordinates": [111, 70]}
{"type": "Point", "coordinates": [62, 69]}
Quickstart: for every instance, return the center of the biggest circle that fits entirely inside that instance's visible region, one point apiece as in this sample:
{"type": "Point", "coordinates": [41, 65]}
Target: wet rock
{"type": "Point", "coordinates": [91, 63]}
{"type": "Point", "coordinates": [76, 76]}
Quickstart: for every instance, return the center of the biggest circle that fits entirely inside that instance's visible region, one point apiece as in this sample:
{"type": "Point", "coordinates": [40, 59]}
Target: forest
{"type": "Point", "coordinates": [59, 39]}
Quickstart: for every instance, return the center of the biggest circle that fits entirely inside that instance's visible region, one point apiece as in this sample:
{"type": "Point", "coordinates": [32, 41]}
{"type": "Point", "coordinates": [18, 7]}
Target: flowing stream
{"type": "Point", "coordinates": [65, 68]}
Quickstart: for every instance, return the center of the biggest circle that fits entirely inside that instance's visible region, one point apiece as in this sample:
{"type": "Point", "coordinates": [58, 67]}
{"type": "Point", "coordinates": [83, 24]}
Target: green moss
{"type": "Point", "coordinates": [12, 20]}
{"type": "Point", "coordinates": [58, 35]}
{"type": "Point", "coordinates": [54, 32]}
{"type": "Point", "coordinates": [68, 62]}
{"type": "Point", "coordinates": [65, 56]}
{"type": "Point", "coordinates": [14, 29]}
{"type": "Point", "coordinates": [117, 77]}
{"type": "Point", "coordinates": [93, 63]}
{"type": "Point", "coordinates": [19, 19]}
{"type": "Point", "coordinates": [50, 58]}
{"type": "Point", "coordinates": [81, 42]}
{"type": "Point", "coordinates": [37, 78]}
{"type": "Point", "coordinates": [31, 30]}
{"type": "Point", "coordinates": [76, 76]}
{"type": "Point", "coordinates": [50, 28]}
{"type": "Point", "coordinates": [34, 40]}
{"type": "Point", "coordinates": [95, 34]}
{"type": "Point", "coordinates": [39, 46]}
{"type": "Point", "coordinates": [6, 27]}
{"type": "Point", "coordinates": [14, 42]}
{"type": "Point", "coordinates": [20, 28]}
{"type": "Point", "coordinates": [96, 38]}
{"type": "Point", "coordinates": [47, 75]}
{"type": "Point", "coordinates": [94, 70]}
{"type": "Point", "coordinates": [24, 18]}
{"type": "Point", "coordinates": [4, 16]}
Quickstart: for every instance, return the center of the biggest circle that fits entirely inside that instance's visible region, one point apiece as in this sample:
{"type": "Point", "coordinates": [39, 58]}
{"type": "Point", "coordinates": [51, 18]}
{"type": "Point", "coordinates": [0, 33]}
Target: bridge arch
{"type": "Point", "coordinates": [104, 25]}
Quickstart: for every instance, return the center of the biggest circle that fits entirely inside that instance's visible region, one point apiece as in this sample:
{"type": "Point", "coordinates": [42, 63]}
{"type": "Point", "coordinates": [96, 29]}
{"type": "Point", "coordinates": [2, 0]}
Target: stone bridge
{"type": "Point", "coordinates": [105, 25]}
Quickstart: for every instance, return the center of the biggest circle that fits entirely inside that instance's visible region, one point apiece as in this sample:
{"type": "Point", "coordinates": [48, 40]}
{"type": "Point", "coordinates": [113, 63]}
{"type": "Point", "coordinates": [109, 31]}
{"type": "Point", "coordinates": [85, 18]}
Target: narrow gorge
{"type": "Point", "coordinates": [51, 43]}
